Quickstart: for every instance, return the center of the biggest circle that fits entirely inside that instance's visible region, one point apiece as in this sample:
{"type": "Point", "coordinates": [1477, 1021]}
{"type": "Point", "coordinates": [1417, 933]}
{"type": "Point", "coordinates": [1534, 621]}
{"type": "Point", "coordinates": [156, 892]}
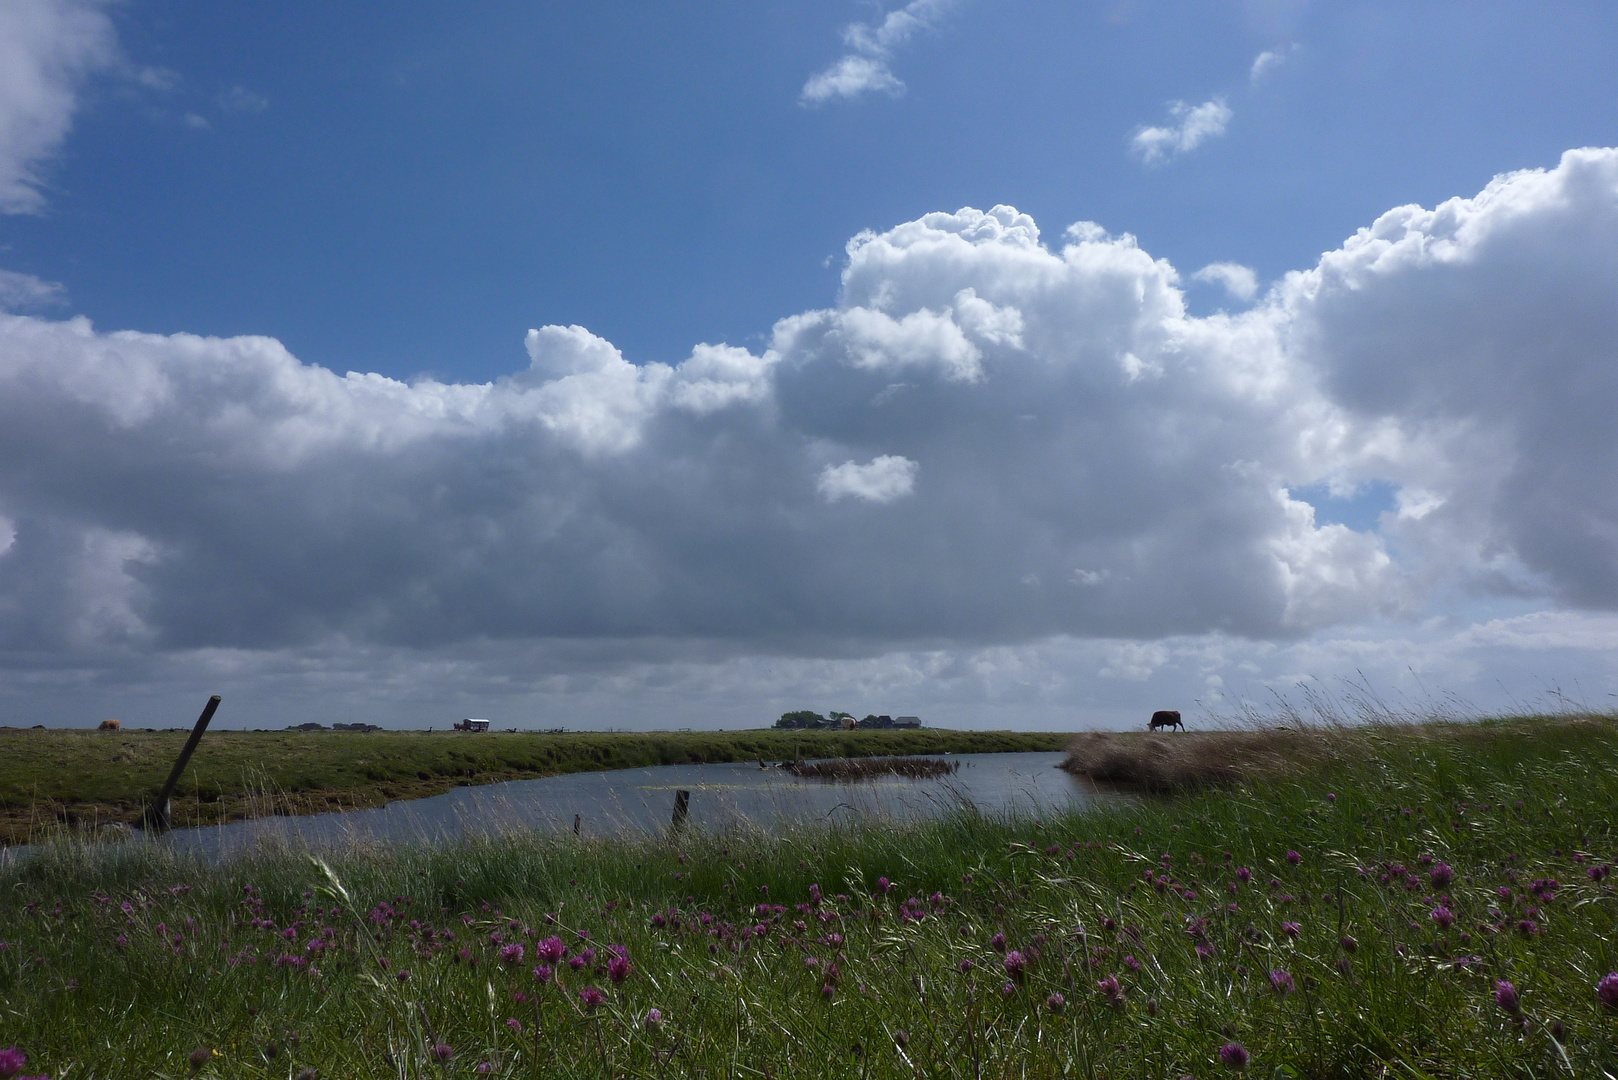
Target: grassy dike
{"type": "Point", "coordinates": [55, 777]}
{"type": "Point", "coordinates": [1415, 904]}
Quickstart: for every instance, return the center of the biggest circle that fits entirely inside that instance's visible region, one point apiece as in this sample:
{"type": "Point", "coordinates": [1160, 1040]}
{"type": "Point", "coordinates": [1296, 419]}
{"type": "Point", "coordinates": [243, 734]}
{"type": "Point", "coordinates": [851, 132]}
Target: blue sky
{"type": "Point", "coordinates": [936, 467]}
{"type": "Point", "coordinates": [420, 185]}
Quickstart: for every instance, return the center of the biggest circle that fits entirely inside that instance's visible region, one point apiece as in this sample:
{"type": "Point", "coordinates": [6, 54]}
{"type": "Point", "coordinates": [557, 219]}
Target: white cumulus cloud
{"type": "Point", "coordinates": [174, 499]}
{"type": "Point", "coordinates": [47, 50]}
{"type": "Point", "coordinates": [24, 292]}
{"type": "Point", "coordinates": [1237, 280]}
{"type": "Point", "coordinates": [884, 479]}
{"type": "Point", "coordinates": [864, 68]}
{"type": "Point", "coordinates": [1192, 125]}
{"type": "Point", "coordinates": [1268, 60]}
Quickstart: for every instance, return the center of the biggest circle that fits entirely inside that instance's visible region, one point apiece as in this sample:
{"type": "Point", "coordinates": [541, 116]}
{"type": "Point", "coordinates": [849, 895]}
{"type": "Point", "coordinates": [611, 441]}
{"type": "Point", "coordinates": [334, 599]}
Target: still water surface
{"type": "Point", "coordinates": [640, 801]}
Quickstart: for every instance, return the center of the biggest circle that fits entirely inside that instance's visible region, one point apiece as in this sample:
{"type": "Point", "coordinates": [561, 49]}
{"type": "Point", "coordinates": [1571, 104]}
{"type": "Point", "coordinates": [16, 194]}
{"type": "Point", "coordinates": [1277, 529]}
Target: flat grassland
{"type": "Point", "coordinates": [1415, 902]}
{"type": "Point", "coordinates": [52, 777]}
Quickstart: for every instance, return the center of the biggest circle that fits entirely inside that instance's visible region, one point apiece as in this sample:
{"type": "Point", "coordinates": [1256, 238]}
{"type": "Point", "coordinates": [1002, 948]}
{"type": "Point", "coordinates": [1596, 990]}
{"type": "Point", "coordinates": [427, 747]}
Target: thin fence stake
{"type": "Point", "coordinates": [157, 817]}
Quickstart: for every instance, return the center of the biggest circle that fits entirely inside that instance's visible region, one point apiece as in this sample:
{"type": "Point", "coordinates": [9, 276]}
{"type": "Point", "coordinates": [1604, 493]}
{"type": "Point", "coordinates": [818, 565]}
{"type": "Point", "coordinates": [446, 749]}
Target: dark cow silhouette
{"type": "Point", "coordinates": [1165, 718]}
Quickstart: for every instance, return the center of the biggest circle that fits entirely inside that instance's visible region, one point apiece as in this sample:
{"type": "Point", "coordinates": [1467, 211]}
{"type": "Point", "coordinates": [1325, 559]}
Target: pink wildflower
{"type": "Point", "coordinates": [654, 1018]}
{"type": "Point", "coordinates": [1234, 1056]}
{"type": "Point", "coordinates": [550, 950]}
{"type": "Point", "coordinates": [1607, 991]}
{"type": "Point", "coordinates": [591, 998]}
{"type": "Point", "coordinates": [1016, 964]}
{"type": "Point", "coordinates": [1505, 996]}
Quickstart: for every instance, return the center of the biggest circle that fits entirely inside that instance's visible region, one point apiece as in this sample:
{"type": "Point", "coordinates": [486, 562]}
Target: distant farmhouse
{"type": "Point", "coordinates": [841, 721]}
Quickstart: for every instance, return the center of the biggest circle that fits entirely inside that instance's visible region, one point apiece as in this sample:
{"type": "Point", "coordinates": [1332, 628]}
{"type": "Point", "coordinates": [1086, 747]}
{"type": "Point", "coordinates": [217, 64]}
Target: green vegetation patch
{"type": "Point", "coordinates": [1422, 907]}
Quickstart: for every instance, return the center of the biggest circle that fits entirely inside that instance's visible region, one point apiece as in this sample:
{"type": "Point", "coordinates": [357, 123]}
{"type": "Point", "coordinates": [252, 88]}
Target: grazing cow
{"type": "Point", "coordinates": [108, 725]}
{"type": "Point", "coordinates": [1165, 718]}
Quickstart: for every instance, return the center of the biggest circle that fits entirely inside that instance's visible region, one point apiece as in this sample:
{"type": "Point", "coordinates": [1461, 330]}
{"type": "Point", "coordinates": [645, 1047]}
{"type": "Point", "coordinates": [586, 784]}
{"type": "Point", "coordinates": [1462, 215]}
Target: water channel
{"type": "Point", "coordinates": [639, 802]}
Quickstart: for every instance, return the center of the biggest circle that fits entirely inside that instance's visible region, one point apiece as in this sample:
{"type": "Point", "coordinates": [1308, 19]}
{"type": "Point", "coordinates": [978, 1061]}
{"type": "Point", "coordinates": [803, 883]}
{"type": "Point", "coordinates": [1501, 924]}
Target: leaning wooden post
{"type": "Point", "coordinates": [157, 817]}
{"type": "Point", "coordinates": [682, 804]}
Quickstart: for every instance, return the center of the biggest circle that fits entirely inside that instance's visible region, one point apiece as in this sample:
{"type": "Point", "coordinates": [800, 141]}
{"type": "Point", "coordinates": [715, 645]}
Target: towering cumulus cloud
{"type": "Point", "coordinates": [992, 438]}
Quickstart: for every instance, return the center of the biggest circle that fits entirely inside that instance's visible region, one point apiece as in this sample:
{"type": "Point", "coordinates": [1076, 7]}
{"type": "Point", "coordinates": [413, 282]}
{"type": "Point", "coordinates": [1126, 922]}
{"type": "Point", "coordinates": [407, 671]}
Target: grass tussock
{"type": "Point", "coordinates": [1439, 904]}
{"type": "Point", "coordinates": [1185, 761]}
{"type": "Point", "coordinates": [849, 770]}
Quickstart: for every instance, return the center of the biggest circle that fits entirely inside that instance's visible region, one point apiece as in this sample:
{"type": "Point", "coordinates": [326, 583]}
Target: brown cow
{"type": "Point", "coordinates": [108, 725]}
{"type": "Point", "coordinates": [1162, 718]}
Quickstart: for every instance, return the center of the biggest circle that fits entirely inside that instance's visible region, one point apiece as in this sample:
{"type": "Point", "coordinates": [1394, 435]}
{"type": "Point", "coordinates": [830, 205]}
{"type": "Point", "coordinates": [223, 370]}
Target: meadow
{"type": "Point", "coordinates": [80, 778]}
{"type": "Point", "coordinates": [1421, 901]}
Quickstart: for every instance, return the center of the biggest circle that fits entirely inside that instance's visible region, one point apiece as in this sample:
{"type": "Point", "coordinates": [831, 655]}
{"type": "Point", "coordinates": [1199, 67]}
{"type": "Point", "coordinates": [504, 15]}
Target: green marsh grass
{"type": "Point", "coordinates": [882, 951]}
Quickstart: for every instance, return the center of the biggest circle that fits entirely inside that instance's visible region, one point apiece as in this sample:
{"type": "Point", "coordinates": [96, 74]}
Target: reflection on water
{"type": "Point", "coordinates": [640, 801]}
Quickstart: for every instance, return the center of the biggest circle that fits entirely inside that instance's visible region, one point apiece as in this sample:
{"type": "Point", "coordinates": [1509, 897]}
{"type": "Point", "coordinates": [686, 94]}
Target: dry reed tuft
{"type": "Point", "coordinates": [1186, 761]}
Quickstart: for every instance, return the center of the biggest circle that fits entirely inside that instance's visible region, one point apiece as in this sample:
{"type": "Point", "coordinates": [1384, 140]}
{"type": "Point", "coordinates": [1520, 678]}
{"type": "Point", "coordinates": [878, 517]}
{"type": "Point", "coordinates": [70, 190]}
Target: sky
{"type": "Point", "coordinates": [1032, 365]}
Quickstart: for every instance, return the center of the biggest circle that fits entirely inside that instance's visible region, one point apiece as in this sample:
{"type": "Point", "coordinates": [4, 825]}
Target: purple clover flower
{"type": "Point", "coordinates": [1055, 1002]}
{"type": "Point", "coordinates": [1291, 930]}
{"type": "Point", "coordinates": [550, 950]}
{"type": "Point", "coordinates": [1505, 996]}
{"type": "Point", "coordinates": [1111, 989]}
{"type": "Point", "coordinates": [1442, 916]}
{"type": "Point", "coordinates": [1281, 982]}
{"type": "Point", "coordinates": [511, 954]}
{"type": "Point", "coordinates": [1294, 858]}
{"type": "Point", "coordinates": [1234, 1056]}
{"type": "Point", "coordinates": [443, 1051]}
{"type": "Point", "coordinates": [654, 1019]}
{"type": "Point", "coordinates": [591, 998]}
{"type": "Point", "coordinates": [1016, 964]}
{"type": "Point", "coordinates": [543, 973]}
{"type": "Point", "coordinates": [1607, 991]}
{"type": "Point", "coordinates": [1441, 875]}
{"type": "Point", "coordinates": [998, 943]}
{"type": "Point", "coordinates": [11, 1062]}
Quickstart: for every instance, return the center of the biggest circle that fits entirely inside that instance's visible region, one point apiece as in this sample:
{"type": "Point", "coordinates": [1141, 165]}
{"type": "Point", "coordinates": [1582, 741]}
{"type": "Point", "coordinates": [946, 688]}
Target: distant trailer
{"type": "Point", "coordinates": [907, 721]}
{"type": "Point", "coordinates": [470, 724]}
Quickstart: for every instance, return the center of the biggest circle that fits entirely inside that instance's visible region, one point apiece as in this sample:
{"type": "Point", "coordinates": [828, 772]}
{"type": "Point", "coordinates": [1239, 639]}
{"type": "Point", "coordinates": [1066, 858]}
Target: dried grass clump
{"type": "Point", "coordinates": [1184, 761]}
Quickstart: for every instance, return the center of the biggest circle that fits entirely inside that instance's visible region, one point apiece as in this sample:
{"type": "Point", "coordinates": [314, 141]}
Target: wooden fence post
{"type": "Point", "coordinates": [157, 817]}
{"type": "Point", "coordinates": [682, 803]}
